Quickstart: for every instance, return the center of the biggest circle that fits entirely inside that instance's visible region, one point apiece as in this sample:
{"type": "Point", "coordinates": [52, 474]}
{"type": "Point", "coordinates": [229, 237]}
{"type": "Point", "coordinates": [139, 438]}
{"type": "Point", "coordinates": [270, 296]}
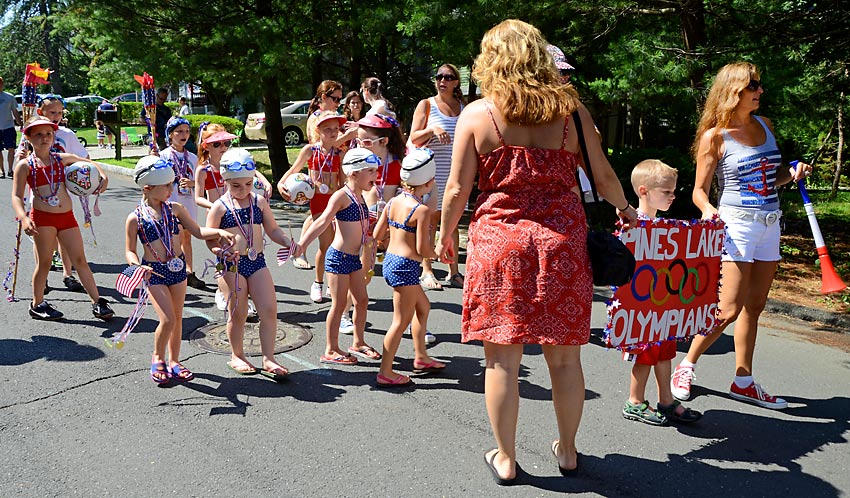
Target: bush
{"type": "Point", "coordinates": [231, 124]}
{"type": "Point", "coordinates": [81, 114]}
{"type": "Point", "coordinates": [130, 113]}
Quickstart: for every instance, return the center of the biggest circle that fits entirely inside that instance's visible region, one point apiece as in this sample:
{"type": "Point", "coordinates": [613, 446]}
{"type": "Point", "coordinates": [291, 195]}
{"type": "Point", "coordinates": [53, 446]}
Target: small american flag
{"type": "Point", "coordinates": [129, 280]}
{"type": "Point", "coordinates": [284, 252]}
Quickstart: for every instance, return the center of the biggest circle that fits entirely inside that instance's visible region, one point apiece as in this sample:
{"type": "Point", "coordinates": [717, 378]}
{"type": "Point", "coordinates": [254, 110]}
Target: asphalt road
{"type": "Point", "coordinates": [79, 419]}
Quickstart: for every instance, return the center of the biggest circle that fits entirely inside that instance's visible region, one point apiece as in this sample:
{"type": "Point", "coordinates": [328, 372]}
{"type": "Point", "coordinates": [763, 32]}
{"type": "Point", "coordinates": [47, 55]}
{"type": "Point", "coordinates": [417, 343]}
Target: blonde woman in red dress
{"type": "Point", "coordinates": [528, 278]}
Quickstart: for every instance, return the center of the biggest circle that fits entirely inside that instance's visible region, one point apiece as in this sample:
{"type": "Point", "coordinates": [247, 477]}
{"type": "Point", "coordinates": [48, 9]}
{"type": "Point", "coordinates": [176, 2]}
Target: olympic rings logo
{"type": "Point", "coordinates": [689, 282]}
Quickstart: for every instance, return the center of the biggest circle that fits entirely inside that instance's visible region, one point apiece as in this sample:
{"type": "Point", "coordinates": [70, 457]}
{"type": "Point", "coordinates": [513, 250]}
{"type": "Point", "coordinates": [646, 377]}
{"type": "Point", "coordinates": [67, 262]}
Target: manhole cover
{"type": "Point", "coordinates": [212, 337]}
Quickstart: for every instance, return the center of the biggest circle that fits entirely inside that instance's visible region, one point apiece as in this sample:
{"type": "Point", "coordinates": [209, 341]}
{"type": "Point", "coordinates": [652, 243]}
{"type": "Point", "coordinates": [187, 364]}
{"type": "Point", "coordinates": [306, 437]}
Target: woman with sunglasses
{"type": "Point", "coordinates": [209, 186]}
{"type": "Point", "coordinates": [737, 147]}
{"type": "Point", "coordinates": [433, 126]}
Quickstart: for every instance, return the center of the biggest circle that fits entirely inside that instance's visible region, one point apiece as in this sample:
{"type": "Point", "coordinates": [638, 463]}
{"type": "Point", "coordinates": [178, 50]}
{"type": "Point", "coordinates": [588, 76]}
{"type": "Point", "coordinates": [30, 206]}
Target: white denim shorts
{"type": "Point", "coordinates": [750, 235]}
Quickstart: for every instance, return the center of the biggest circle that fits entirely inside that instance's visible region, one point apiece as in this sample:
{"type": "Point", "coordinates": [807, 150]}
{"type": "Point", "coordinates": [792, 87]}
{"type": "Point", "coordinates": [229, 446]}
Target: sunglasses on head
{"type": "Point", "coordinates": [226, 144]}
{"type": "Point", "coordinates": [754, 85]}
{"type": "Point", "coordinates": [371, 159]}
{"type": "Point", "coordinates": [335, 99]}
{"type": "Point", "coordinates": [368, 142]}
{"type": "Point", "coordinates": [236, 166]}
{"type": "Point", "coordinates": [159, 164]}
{"type": "Point", "coordinates": [447, 77]}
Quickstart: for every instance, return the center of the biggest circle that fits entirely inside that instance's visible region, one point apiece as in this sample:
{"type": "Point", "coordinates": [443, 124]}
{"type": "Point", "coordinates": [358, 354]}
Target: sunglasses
{"type": "Point", "coordinates": [335, 99]}
{"type": "Point", "coordinates": [368, 142]}
{"type": "Point", "coordinates": [226, 144]}
{"type": "Point", "coordinates": [754, 85]}
{"type": "Point", "coordinates": [566, 72]}
{"type": "Point", "coordinates": [447, 77]}
{"type": "Point", "coordinates": [236, 166]}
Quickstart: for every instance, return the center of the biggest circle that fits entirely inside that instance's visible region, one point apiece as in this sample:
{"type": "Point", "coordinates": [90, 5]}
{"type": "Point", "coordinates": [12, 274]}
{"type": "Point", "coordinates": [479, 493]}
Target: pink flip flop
{"type": "Point", "coordinates": [365, 352]}
{"type": "Point", "coordinates": [338, 360]}
{"type": "Point", "coordinates": [400, 381]}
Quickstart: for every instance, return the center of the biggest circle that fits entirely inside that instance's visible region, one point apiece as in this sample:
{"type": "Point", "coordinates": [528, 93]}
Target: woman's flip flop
{"type": "Point", "coordinates": [365, 352]}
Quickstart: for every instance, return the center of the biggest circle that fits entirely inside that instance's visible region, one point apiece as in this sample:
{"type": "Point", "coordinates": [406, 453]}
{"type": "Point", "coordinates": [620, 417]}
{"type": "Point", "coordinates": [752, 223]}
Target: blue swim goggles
{"type": "Point", "coordinates": [236, 166]}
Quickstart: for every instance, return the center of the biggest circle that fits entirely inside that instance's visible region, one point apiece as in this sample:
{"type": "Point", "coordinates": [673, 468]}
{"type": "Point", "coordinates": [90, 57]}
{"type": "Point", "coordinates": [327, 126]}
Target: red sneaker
{"type": "Point", "coordinates": [756, 395]}
{"type": "Point", "coordinates": [680, 383]}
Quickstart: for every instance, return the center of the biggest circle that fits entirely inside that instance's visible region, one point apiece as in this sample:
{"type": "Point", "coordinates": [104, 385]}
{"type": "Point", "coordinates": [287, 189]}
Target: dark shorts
{"type": "Point", "coordinates": [248, 267]}
{"type": "Point", "coordinates": [59, 221]}
{"type": "Point", "coordinates": [168, 277]}
{"type": "Point", "coordinates": [399, 271]}
{"type": "Point", "coordinates": [8, 138]}
{"type": "Point", "coordinates": [341, 263]}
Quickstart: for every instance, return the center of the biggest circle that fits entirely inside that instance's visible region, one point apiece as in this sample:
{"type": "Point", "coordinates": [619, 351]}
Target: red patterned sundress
{"type": "Point", "coordinates": [528, 277]}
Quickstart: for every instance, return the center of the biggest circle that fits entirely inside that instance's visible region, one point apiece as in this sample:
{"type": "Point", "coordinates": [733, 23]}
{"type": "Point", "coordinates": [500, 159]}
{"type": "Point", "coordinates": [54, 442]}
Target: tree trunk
{"type": "Point", "coordinates": [274, 128]}
{"type": "Point", "coordinates": [50, 48]}
{"type": "Point", "coordinates": [838, 159]}
{"type": "Point", "coordinates": [692, 21]}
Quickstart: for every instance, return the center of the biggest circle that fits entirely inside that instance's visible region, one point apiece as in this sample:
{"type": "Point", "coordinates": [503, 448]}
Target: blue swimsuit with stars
{"type": "Point", "coordinates": [148, 234]}
{"type": "Point", "coordinates": [340, 262]}
{"type": "Point", "coordinates": [246, 267]}
{"type": "Point", "coordinates": [400, 271]}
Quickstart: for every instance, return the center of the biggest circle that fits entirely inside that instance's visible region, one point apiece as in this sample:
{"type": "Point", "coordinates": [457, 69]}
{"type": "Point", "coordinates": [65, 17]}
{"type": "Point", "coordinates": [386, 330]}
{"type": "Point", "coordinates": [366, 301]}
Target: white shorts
{"type": "Point", "coordinates": [750, 235]}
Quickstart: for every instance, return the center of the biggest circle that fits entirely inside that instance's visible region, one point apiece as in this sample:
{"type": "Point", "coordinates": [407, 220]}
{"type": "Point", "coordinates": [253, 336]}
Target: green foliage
{"type": "Point", "coordinates": [81, 114]}
{"type": "Point", "coordinates": [232, 125]}
{"type": "Point", "coordinates": [624, 160]}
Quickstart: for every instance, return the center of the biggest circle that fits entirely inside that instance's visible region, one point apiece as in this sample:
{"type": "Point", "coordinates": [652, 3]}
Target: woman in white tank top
{"type": "Point", "coordinates": [433, 126]}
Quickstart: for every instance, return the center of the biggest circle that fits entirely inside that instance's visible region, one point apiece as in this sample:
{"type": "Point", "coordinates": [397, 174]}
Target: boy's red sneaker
{"type": "Point", "coordinates": [756, 395]}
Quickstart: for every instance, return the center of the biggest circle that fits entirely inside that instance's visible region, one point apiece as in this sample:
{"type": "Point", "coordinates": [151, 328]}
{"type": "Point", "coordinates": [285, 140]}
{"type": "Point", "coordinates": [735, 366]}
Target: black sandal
{"type": "Point", "coordinates": [687, 416]}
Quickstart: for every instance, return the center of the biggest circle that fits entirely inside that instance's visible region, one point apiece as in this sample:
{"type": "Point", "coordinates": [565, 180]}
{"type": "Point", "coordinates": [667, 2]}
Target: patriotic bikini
{"type": "Point", "coordinates": [400, 271]}
{"type": "Point", "coordinates": [245, 219]}
{"type": "Point", "coordinates": [340, 262]}
{"type": "Point", "coordinates": [173, 270]}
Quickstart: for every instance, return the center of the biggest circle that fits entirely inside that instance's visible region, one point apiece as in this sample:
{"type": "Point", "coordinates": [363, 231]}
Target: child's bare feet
{"type": "Point", "coordinates": [241, 366]}
{"type": "Point", "coordinates": [337, 358]}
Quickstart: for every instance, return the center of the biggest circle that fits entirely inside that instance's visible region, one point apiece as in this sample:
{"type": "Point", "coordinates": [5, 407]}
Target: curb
{"type": "Point", "coordinates": [838, 320]}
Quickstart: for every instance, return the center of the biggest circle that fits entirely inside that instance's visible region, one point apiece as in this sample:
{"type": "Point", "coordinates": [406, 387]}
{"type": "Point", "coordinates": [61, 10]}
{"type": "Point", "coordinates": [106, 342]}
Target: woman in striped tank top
{"type": "Point", "coordinates": [434, 127]}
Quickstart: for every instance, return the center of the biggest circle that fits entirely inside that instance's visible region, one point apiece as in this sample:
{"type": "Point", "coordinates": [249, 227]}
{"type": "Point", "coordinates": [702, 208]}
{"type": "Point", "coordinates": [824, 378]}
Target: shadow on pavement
{"type": "Point", "coordinates": [18, 352]}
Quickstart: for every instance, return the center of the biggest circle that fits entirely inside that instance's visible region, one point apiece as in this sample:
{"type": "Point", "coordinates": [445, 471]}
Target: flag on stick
{"type": "Point", "coordinates": [129, 280]}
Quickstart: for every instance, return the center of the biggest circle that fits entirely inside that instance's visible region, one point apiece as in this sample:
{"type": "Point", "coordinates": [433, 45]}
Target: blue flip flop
{"type": "Point", "coordinates": [158, 367]}
{"type": "Point", "coordinates": [181, 373]}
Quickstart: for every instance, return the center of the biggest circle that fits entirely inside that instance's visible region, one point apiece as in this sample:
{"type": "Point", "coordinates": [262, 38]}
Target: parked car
{"type": "Point", "coordinates": [294, 117]}
{"type": "Point", "coordinates": [85, 98]}
{"type": "Point", "coordinates": [127, 97]}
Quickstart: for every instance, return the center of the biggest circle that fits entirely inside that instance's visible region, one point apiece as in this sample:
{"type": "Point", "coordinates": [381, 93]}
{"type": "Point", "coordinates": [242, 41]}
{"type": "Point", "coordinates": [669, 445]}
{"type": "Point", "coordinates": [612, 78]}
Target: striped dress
{"type": "Point", "coordinates": [442, 153]}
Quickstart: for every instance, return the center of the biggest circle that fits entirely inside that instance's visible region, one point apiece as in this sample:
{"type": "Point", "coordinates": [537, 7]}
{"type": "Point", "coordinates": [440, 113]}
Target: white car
{"type": "Point", "coordinates": [85, 98]}
{"type": "Point", "coordinates": [294, 117]}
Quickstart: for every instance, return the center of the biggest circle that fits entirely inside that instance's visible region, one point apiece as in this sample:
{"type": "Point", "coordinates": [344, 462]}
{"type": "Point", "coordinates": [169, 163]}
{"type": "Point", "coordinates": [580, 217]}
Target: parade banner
{"type": "Point", "coordinates": [673, 293]}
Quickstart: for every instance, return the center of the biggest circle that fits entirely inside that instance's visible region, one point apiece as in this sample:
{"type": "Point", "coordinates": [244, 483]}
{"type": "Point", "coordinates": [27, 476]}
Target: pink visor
{"type": "Point", "coordinates": [340, 119]}
{"type": "Point", "coordinates": [219, 136]}
{"type": "Point", "coordinates": [373, 121]}
{"type": "Point", "coordinates": [40, 122]}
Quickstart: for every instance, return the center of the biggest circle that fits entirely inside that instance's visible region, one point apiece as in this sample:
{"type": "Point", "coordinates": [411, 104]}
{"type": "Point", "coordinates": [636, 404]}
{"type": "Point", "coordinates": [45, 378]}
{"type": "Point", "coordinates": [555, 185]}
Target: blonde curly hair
{"type": "Point", "coordinates": [724, 97]}
{"type": "Point", "coordinates": [518, 74]}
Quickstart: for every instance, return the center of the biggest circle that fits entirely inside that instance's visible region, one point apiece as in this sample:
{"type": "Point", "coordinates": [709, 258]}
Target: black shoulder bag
{"type": "Point", "coordinates": [610, 259]}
